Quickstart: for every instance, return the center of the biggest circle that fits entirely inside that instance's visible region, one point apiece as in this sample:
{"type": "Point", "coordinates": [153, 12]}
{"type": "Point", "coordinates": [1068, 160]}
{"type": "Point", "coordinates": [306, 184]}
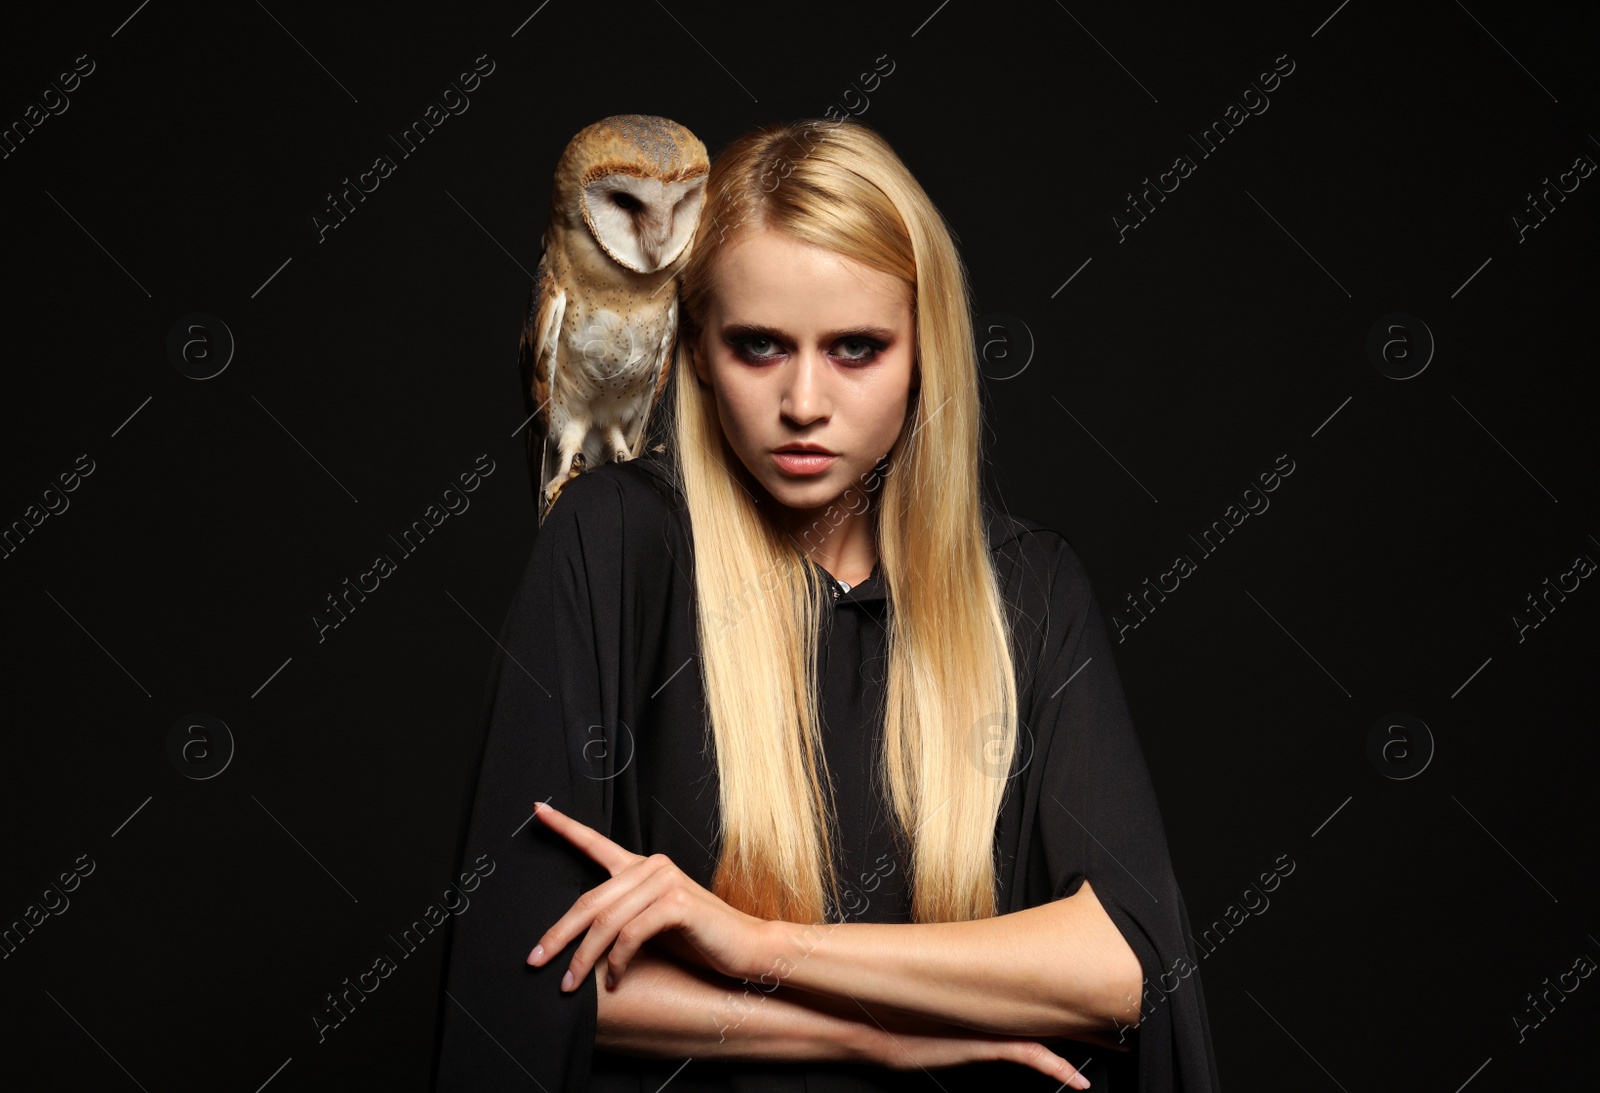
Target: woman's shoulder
{"type": "Point", "coordinates": [625, 514]}
{"type": "Point", "coordinates": [1035, 559]}
{"type": "Point", "coordinates": [617, 496]}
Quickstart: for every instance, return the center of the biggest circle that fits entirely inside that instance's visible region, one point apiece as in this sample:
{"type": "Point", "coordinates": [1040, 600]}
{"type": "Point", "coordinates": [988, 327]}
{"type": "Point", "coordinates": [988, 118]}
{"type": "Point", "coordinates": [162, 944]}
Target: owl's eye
{"type": "Point", "coordinates": [625, 200]}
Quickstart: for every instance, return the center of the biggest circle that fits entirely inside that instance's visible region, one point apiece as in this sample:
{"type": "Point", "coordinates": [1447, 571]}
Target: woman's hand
{"type": "Point", "coordinates": [644, 897]}
{"type": "Point", "coordinates": [912, 1042]}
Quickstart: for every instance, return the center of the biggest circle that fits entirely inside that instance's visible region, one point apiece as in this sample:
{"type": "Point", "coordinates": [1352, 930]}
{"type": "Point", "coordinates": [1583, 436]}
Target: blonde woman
{"type": "Point", "coordinates": [806, 769]}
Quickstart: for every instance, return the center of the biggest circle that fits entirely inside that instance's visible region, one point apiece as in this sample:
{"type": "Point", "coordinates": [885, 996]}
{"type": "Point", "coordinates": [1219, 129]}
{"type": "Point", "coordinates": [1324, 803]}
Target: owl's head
{"type": "Point", "coordinates": [638, 183]}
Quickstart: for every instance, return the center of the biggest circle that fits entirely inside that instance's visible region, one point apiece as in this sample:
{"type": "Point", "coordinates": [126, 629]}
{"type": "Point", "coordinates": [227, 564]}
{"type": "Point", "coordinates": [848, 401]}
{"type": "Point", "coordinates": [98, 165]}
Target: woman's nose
{"type": "Point", "coordinates": [805, 396]}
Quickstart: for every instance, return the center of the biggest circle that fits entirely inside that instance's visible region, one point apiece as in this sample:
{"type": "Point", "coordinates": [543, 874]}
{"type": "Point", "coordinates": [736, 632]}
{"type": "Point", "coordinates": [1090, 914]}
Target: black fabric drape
{"type": "Point", "coordinates": [595, 705]}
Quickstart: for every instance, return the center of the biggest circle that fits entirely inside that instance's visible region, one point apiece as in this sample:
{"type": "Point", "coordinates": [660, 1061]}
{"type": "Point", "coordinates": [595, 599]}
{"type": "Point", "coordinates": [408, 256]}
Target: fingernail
{"type": "Point", "coordinates": [1078, 1081]}
{"type": "Point", "coordinates": [566, 980]}
{"type": "Point", "coordinates": [538, 952]}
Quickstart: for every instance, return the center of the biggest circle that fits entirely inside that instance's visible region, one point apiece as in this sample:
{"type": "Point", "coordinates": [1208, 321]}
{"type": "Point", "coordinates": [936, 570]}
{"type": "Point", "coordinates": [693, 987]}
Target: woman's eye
{"type": "Point", "coordinates": [749, 348]}
{"type": "Point", "coordinates": [859, 350]}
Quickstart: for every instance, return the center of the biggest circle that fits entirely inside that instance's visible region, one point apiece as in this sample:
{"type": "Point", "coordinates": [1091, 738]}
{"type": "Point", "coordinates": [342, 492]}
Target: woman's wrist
{"type": "Point", "coordinates": [664, 1009]}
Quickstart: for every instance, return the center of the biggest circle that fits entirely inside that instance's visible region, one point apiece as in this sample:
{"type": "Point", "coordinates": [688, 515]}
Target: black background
{"type": "Point", "coordinates": [1179, 363]}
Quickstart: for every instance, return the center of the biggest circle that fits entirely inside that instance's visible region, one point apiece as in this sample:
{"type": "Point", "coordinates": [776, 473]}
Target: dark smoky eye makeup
{"type": "Point", "coordinates": [851, 348]}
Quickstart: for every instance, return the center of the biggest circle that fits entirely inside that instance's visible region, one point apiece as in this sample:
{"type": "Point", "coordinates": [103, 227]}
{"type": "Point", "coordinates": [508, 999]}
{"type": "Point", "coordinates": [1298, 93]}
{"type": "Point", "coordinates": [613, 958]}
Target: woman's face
{"type": "Point", "coordinates": [802, 345]}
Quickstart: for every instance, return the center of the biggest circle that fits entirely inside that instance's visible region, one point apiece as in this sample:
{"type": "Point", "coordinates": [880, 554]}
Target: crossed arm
{"type": "Point", "coordinates": [831, 991]}
{"type": "Point", "coordinates": [1061, 969]}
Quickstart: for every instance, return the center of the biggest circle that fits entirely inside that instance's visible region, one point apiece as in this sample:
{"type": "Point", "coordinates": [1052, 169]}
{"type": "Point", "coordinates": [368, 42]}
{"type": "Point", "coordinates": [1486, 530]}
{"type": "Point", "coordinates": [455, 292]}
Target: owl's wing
{"type": "Point", "coordinates": [663, 369]}
{"type": "Point", "coordinates": [537, 360]}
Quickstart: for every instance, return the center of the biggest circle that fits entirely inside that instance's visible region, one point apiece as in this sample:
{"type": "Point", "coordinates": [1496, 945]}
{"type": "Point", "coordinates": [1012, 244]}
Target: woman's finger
{"type": "Point", "coordinates": [613, 857]}
{"type": "Point", "coordinates": [589, 905]}
{"type": "Point", "coordinates": [630, 910]}
{"type": "Point", "coordinates": [1036, 1056]}
{"type": "Point", "coordinates": [663, 915]}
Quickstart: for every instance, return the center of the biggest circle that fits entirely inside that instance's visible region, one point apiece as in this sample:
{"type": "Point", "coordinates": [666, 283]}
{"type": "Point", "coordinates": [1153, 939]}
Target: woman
{"type": "Point", "coordinates": [845, 792]}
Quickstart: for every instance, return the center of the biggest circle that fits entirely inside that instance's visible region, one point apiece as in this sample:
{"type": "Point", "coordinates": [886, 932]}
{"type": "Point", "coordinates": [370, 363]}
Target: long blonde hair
{"type": "Point", "coordinates": [951, 701]}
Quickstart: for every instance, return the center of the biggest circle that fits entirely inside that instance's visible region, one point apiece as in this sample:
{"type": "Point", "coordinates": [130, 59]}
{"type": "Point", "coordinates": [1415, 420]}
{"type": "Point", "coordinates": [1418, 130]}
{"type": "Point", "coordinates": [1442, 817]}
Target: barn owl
{"type": "Point", "coordinates": [598, 333]}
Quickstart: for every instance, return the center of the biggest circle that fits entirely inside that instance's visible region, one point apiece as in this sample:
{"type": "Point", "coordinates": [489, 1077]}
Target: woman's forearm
{"type": "Point", "coordinates": [1061, 969]}
{"type": "Point", "coordinates": [664, 1009]}
{"type": "Point", "coordinates": [667, 1009]}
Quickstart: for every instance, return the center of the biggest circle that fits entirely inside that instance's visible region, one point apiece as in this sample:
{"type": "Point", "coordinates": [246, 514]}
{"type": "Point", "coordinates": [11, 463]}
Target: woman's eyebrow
{"type": "Point", "coordinates": [758, 330]}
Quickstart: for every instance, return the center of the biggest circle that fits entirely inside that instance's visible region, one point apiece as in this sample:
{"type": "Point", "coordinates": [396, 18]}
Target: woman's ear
{"type": "Point", "coordinates": [698, 361]}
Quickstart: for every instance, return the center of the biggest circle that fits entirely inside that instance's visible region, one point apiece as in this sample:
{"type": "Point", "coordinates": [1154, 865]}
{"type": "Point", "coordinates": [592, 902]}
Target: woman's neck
{"type": "Point", "coordinates": [847, 549]}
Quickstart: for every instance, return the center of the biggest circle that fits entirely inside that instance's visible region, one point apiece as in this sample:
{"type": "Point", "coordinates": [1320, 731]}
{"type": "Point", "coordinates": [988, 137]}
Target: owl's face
{"type": "Point", "coordinates": [643, 223]}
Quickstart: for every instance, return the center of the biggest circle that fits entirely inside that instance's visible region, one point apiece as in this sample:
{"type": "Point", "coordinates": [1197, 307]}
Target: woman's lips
{"type": "Point", "coordinates": [803, 463]}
